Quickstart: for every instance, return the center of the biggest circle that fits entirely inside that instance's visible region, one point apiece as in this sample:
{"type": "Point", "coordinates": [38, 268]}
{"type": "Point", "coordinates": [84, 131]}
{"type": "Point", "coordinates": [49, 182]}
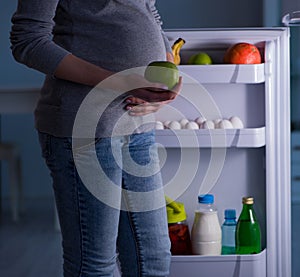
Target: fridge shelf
{"type": "Point", "coordinates": [241, 138]}
{"type": "Point", "coordinates": [225, 73]}
{"type": "Point", "coordinates": [215, 266]}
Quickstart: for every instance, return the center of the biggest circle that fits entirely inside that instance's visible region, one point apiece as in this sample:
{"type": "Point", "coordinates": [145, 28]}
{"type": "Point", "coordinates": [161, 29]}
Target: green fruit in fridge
{"type": "Point", "coordinates": [200, 58]}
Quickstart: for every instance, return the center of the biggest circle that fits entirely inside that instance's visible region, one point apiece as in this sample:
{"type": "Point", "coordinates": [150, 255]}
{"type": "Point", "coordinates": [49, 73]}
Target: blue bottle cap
{"type": "Point", "coordinates": [230, 214]}
{"type": "Point", "coordinates": [206, 198]}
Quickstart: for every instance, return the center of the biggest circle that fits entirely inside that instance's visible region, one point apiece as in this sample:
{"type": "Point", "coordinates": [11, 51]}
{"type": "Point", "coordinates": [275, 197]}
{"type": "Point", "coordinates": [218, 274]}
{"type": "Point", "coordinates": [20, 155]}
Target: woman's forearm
{"type": "Point", "coordinates": [77, 70]}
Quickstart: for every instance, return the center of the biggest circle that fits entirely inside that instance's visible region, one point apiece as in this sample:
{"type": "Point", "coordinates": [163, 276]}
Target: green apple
{"type": "Point", "coordinates": [201, 58]}
{"type": "Point", "coordinates": [162, 72]}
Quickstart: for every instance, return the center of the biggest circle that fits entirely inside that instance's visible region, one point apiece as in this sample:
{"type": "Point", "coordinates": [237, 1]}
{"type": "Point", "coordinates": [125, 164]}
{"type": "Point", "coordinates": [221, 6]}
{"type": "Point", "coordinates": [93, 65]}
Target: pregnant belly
{"type": "Point", "coordinates": [118, 48]}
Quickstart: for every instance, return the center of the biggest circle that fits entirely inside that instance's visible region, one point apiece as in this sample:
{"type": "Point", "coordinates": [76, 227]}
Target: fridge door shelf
{"type": "Point", "coordinates": [225, 265]}
{"type": "Point", "coordinates": [214, 138]}
{"type": "Point", "coordinates": [225, 73]}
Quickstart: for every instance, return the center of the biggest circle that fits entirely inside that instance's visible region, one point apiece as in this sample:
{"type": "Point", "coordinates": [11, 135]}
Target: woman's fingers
{"type": "Point", "coordinates": [134, 101]}
{"type": "Point", "coordinates": [143, 109]}
{"type": "Point", "coordinates": [149, 100]}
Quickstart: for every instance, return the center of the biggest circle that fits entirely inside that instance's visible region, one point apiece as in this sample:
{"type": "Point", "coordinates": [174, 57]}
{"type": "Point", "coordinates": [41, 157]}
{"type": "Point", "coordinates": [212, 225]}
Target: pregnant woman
{"type": "Point", "coordinates": [79, 45]}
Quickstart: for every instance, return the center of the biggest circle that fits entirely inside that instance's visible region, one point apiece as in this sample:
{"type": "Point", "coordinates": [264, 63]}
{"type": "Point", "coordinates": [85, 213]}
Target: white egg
{"type": "Point", "coordinates": [225, 124]}
{"type": "Point", "coordinates": [174, 125]}
{"type": "Point", "coordinates": [191, 125]}
{"type": "Point", "coordinates": [217, 121]}
{"type": "Point", "coordinates": [166, 123]}
{"type": "Point", "coordinates": [199, 120]}
{"type": "Point", "coordinates": [159, 125]}
{"type": "Point", "coordinates": [183, 122]}
{"type": "Point", "coordinates": [237, 123]}
{"type": "Point", "coordinates": [208, 124]}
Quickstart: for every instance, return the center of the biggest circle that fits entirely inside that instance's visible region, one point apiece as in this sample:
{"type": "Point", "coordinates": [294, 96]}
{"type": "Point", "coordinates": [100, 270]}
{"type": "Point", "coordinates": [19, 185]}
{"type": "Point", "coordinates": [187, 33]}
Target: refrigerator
{"type": "Point", "coordinates": [232, 163]}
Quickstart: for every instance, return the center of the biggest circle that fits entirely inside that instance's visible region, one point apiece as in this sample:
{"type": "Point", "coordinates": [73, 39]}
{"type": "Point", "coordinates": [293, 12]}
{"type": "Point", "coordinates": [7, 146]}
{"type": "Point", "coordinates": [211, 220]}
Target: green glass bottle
{"type": "Point", "coordinates": [248, 234]}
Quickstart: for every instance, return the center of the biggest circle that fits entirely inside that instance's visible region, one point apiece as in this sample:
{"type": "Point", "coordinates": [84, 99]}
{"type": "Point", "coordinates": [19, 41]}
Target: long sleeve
{"type": "Point", "coordinates": [31, 35]}
{"type": "Point", "coordinates": [160, 23]}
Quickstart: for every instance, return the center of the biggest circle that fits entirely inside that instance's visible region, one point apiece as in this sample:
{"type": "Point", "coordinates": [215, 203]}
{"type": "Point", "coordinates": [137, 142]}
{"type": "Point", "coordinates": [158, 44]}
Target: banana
{"type": "Point", "coordinates": [176, 50]}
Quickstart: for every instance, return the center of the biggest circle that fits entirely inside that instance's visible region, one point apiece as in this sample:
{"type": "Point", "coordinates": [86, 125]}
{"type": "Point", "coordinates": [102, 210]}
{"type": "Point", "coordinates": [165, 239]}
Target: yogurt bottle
{"type": "Point", "coordinates": [206, 235]}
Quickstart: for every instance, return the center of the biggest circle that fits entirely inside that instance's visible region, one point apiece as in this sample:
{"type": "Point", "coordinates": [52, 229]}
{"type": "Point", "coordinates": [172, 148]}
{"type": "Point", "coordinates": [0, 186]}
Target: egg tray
{"type": "Point", "coordinates": [212, 138]}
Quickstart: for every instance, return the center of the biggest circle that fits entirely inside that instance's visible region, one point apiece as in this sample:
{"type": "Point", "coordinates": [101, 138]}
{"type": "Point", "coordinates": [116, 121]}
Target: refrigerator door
{"type": "Point", "coordinates": [232, 163]}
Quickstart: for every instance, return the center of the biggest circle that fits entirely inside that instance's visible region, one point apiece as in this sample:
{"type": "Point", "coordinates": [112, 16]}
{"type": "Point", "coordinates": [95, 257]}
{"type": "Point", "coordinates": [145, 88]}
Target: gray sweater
{"type": "Point", "coordinates": [114, 34]}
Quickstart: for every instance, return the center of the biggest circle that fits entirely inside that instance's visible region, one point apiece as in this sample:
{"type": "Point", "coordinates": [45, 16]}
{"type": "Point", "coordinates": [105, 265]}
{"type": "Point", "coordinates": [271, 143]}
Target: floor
{"type": "Point", "coordinates": [32, 247]}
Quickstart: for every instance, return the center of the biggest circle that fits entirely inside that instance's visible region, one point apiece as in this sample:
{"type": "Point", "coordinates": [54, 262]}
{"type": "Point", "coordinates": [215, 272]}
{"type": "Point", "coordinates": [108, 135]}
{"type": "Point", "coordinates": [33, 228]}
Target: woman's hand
{"type": "Point", "coordinates": [149, 100]}
{"type": "Point", "coordinates": [139, 107]}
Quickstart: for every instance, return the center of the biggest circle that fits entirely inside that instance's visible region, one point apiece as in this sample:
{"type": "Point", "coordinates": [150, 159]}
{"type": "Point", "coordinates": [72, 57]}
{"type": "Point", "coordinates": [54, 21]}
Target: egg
{"type": "Point", "coordinates": [191, 125]}
{"type": "Point", "coordinates": [166, 123]}
{"type": "Point", "coordinates": [183, 122]}
{"type": "Point", "coordinates": [199, 120]}
{"type": "Point", "coordinates": [225, 124]}
{"type": "Point", "coordinates": [217, 121]}
{"type": "Point", "coordinates": [159, 125]}
{"type": "Point", "coordinates": [208, 124]}
{"type": "Point", "coordinates": [237, 123]}
{"type": "Point", "coordinates": [174, 125]}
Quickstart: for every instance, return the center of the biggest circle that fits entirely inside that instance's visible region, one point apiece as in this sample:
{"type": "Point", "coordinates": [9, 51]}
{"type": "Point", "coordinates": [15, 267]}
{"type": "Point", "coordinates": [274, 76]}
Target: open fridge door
{"type": "Point", "coordinates": [232, 163]}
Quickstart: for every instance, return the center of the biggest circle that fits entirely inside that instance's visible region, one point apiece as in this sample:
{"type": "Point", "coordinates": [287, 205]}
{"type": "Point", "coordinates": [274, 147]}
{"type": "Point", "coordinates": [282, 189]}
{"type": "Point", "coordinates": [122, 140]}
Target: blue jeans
{"type": "Point", "coordinates": [95, 233]}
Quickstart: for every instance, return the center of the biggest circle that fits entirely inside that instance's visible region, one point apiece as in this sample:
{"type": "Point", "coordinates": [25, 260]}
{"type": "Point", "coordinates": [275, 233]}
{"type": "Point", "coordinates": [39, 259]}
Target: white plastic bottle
{"type": "Point", "coordinates": [206, 235]}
